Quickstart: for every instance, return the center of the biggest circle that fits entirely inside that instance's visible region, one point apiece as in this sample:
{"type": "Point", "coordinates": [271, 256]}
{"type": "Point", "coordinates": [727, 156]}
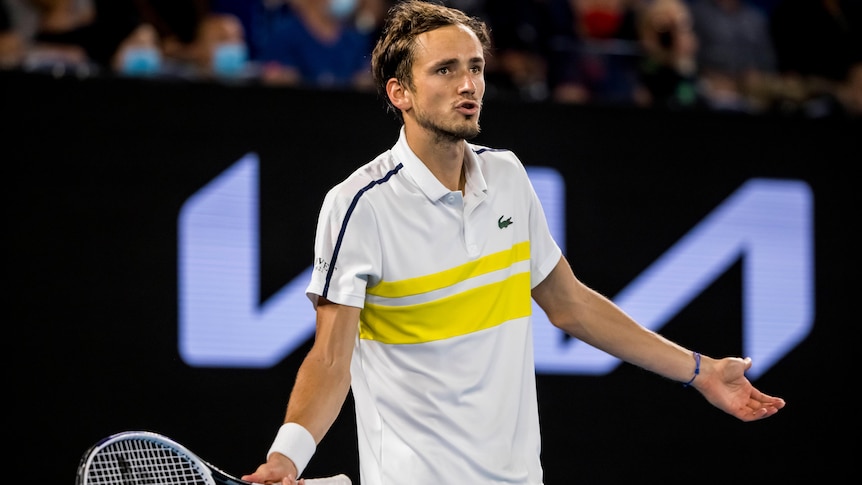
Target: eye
{"type": "Point", "coordinates": [443, 70]}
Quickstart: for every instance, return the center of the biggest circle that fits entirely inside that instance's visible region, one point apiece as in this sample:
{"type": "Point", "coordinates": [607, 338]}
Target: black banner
{"type": "Point", "coordinates": [100, 171]}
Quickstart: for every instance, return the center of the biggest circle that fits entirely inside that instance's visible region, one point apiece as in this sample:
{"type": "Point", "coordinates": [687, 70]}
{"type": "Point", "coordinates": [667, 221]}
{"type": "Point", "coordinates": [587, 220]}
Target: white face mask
{"type": "Point", "coordinates": [341, 9]}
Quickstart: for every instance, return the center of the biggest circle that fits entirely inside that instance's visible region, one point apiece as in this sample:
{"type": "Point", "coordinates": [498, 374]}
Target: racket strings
{"type": "Point", "coordinates": [143, 462]}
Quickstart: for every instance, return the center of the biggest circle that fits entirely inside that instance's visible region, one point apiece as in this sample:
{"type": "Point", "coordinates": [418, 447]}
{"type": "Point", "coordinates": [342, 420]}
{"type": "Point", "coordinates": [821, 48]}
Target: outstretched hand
{"type": "Point", "coordinates": [725, 386]}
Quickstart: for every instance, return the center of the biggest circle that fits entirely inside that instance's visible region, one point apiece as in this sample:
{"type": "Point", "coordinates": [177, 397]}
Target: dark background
{"type": "Point", "coordinates": [98, 169]}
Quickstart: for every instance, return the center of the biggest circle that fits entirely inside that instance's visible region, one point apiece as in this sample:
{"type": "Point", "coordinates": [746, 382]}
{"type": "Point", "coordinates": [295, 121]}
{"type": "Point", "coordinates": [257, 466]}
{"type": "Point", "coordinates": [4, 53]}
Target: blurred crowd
{"type": "Point", "coordinates": [791, 57]}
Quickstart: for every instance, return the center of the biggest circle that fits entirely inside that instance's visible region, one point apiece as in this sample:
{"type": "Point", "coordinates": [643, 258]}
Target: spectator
{"type": "Point", "coordinates": [139, 54]}
{"type": "Point", "coordinates": [194, 42]}
{"type": "Point", "coordinates": [668, 68]}
{"type": "Point", "coordinates": [596, 55]}
{"type": "Point", "coordinates": [735, 53]}
{"type": "Point", "coordinates": [317, 44]}
{"type": "Point", "coordinates": [219, 49]}
{"type": "Point", "coordinates": [261, 17]}
{"type": "Point", "coordinates": [102, 36]}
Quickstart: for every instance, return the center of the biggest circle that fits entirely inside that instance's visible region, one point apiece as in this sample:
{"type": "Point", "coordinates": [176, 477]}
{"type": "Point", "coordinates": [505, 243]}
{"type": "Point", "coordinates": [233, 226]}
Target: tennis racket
{"type": "Point", "coordinates": [147, 458]}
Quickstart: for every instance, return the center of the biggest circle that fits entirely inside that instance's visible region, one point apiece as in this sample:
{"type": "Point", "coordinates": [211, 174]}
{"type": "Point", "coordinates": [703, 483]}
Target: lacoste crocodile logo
{"type": "Point", "coordinates": [504, 224]}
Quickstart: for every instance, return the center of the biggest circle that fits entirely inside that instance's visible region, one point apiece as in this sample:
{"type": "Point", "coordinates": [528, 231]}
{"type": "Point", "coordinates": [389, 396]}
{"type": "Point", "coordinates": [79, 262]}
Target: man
{"type": "Point", "coordinates": [426, 259]}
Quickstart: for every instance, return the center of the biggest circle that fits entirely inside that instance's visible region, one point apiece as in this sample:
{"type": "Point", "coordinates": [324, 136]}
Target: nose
{"type": "Point", "coordinates": [468, 84]}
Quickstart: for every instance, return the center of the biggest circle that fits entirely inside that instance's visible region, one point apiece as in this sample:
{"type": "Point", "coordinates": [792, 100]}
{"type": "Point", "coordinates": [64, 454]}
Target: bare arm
{"type": "Point", "coordinates": [323, 379]}
{"type": "Point", "coordinates": [594, 319]}
{"type": "Point", "coordinates": [321, 386]}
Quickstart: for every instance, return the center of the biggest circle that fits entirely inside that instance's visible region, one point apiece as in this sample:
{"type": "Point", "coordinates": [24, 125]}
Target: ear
{"type": "Point", "coordinates": [399, 96]}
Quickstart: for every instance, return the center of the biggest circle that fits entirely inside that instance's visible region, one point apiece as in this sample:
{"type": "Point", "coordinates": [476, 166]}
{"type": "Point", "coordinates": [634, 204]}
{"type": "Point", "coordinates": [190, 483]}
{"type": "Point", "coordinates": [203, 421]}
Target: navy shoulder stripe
{"type": "Point", "coordinates": [350, 209]}
{"type": "Point", "coordinates": [486, 149]}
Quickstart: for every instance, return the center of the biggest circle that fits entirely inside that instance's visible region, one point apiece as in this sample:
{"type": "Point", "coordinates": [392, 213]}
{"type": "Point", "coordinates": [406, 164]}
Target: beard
{"type": "Point", "coordinates": [448, 132]}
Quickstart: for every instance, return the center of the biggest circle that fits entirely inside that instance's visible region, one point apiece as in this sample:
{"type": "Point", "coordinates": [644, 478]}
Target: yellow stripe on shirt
{"type": "Point", "coordinates": [423, 284]}
{"type": "Point", "coordinates": [466, 312]}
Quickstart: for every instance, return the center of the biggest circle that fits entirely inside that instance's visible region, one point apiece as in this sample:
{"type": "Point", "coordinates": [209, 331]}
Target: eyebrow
{"type": "Point", "coordinates": [454, 60]}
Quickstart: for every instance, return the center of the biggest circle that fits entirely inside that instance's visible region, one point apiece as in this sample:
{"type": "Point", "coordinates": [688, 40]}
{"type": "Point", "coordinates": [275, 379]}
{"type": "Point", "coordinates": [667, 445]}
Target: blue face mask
{"type": "Point", "coordinates": [229, 59]}
{"type": "Point", "coordinates": [341, 9]}
{"type": "Point", "coordinates": [141, 61]}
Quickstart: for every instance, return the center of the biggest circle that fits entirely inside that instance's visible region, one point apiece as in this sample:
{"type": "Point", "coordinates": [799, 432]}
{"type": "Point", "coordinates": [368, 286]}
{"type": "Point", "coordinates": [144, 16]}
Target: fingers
{"type": "Point", "coordinates": [254, 478]}
{"type": "Point", "coordinates": [758, 409]}
{"type": "Point", "coordinates": [752, 414]}
{"type": "Point", "coordinates": [762, 399]}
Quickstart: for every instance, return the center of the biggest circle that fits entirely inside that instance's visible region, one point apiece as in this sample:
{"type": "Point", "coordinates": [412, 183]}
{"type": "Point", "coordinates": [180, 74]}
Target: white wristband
{"type": "Point", "coordinates": [296, 443]}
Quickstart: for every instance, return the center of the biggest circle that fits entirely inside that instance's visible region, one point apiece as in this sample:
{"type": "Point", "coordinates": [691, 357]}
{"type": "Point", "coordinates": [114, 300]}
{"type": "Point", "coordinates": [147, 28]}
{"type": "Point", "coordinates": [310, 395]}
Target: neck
{"type": "Point", "coordinates": [444, 158]}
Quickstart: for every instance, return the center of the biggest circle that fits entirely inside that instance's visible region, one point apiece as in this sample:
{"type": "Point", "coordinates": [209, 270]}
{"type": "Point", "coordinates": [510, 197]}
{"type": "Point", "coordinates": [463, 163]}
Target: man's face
{"type": "Point", "coordinates": [449, 82]}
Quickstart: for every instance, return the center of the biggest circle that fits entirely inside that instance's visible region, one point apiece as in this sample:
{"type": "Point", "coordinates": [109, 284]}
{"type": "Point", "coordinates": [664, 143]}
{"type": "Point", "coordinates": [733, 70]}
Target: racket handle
{"type": "Point", "coordinates": [340, 479]}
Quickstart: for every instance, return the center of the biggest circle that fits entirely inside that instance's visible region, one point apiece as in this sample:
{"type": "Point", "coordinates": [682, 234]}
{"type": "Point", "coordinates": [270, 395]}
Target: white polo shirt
{"type": "Point", "coordinates": [443, 375]}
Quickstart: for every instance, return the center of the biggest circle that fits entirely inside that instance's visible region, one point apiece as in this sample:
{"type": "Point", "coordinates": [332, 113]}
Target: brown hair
{"type": "Point", "coordinates": [407, 19]}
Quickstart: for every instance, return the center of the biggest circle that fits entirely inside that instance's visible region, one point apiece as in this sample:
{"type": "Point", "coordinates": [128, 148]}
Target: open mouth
{"type": "Point", "coordinates": [468, 108]}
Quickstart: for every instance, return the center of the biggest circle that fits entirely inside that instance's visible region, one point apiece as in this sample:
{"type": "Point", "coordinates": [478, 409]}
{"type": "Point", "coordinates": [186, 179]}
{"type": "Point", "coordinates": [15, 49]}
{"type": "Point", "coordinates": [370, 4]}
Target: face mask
{"type": "Point", "coordinates": [341, 9]}
{"type": "Point", "coordinates": [141, 61]}
{"type": "Point", "coordinates": [229, 59]}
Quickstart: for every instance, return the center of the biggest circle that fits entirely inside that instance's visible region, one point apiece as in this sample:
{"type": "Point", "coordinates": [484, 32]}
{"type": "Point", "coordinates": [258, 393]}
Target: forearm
{"type": "Point", "coordinates": [321, 386]}
{"type": "Point", "coordinates": [594, 319]}
{"type": "Point", "coordinates": [599, 322]}
{"type": "Point", "coordinates": [318, 394]}
{"type": "Point", "coordinates": [323, 379]}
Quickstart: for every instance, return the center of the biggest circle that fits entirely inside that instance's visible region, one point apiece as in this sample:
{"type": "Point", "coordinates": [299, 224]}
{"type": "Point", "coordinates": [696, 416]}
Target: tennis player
{"type": "Point", "coordinates": [426, 260]}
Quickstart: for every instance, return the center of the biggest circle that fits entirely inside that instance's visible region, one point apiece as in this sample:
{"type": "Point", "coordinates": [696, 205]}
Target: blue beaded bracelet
{"type": "Point", "coordinates": [696, 369]}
